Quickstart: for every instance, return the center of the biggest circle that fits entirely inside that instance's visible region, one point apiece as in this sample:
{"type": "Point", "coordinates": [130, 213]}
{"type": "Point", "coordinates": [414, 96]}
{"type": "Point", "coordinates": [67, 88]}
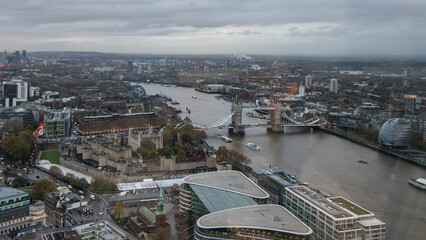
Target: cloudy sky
{"type": "Point", "coordinates": [296, 27]}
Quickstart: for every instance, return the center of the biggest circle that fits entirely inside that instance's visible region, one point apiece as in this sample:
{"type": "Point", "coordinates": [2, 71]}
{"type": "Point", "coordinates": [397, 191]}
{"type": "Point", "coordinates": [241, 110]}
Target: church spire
{"type": "Point", "coordinates": [160, 204]}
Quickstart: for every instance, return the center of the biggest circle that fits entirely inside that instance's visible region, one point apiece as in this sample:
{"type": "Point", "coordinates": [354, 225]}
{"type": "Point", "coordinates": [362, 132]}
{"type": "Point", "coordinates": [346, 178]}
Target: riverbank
{"type": "Point", "coordinates": [377, 147]}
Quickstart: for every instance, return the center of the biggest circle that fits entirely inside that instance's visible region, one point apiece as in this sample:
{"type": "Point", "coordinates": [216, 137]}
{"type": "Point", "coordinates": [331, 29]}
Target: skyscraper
{"type": "Point", "coordinates": [334, 85]}
{"type": "Point", "coordinates": [140, 69]}
{"type": "Point", "coordinates": [149, 69]}
{"type": "Point", "coordinates": [130, 66]}
{"type": "Point", "coordinates": [302, 90]}
{"type": "Point", "coordinates": [308, 81]}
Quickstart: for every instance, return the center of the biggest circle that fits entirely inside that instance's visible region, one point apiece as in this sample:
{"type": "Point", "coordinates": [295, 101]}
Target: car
{"type": "Point", "coordinates": [37, 176]}
{"type": "Point", "coordinates": [80, 192]}
{"type": "Point", "coordinates": [69, 186]}
{"type": "Point", "coordinates": [92, 197]}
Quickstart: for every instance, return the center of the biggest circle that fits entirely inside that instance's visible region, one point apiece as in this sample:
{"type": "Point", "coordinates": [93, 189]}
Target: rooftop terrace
{"type": "Point", "coordinates": [348, 205]}
{"type": "Point", "coordinates": [321, 202]}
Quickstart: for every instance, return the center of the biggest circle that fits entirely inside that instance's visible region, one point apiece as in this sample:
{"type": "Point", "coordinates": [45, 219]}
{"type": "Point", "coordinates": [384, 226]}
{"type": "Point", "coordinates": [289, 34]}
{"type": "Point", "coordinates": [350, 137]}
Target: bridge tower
{"type": "Point", "coordinates": [237, 118]}
{"type": "Point", "coordinates": [277, 124]}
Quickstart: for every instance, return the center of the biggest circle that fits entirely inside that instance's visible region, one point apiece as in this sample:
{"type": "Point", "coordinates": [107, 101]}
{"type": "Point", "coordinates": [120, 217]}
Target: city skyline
{"type": "Point", "coordinates": [202, 27]}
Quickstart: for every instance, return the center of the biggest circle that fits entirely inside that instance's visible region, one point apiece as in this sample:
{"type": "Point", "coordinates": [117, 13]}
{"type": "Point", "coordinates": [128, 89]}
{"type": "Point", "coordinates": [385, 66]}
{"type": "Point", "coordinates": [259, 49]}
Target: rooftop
{"type": "Point", "coordinates": [6, 192]}
{"type": "Point", "coordinates": [147, 213]}
{"type": "Point", "coordinates": [321, 202]}
{"type": "Point", "coordinates": [231, 181]}
{"type": "Point", "coordinates": [217, 200]}
{"type": "Point", "coordinates": [348, 205]}
{"type": "Point", "coordinates": [267, 217]}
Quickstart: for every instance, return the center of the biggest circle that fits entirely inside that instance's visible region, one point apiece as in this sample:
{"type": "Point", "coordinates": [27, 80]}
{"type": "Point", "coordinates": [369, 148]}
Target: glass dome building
{"type": "Point", "coordinates": [396, 133]}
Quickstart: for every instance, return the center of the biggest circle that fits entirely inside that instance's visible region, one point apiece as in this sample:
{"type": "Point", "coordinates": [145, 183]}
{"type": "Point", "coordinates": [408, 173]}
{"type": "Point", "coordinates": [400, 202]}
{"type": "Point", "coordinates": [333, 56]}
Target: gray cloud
{"type": "Point", "coordinates": [221, 26]}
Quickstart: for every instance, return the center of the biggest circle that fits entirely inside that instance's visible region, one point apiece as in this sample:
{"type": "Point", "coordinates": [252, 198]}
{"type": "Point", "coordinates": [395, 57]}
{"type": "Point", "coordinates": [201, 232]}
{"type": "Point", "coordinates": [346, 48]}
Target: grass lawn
{"type": "Point", "coordinates": [27, 189]}
{"type": "Point", "coordinates": [51, 154]}
{"type": "Point", "coordinates": [350, 206]}
{"type": "Point", "coordinates": [357, 135]}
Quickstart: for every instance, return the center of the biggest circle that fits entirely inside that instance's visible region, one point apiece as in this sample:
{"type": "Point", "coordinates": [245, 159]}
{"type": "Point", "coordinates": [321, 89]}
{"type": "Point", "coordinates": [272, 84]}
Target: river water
{"type": "Point", "coordinates": [325, 161]}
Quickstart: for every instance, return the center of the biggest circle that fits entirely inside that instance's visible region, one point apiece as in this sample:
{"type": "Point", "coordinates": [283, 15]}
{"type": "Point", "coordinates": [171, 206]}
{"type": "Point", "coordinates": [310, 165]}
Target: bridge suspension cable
{"type": "Point", "coordinates": [216, 123]}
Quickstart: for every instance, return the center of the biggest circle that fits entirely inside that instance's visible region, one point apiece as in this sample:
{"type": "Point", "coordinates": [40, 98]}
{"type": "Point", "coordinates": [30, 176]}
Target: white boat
{"type": "Point", "coordinates": [226, 138]}
{"type": "Point", "coordinates": [418, 183]}
{"type": "Point", "coordinates": [194, 97]}
{"type": "Point", "coordinates": [253, 146]}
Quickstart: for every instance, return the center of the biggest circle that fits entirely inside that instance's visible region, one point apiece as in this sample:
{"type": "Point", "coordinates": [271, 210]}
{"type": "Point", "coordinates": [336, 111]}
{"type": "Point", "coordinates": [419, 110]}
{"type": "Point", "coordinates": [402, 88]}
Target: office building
{"type": "Point", "coordinates": [301, 90]}
{"type": "Point", "coordinates": [252, 222]}
{"type": "Point", "coordinates": [334, 85]}
{"type": "Point", "coordinates": [25, 115]}
{"type": "Point", "coordinates": [149, 69]}
{"type": "Point", "coordinates": [57, 123]}
{"type": "Point", "coordinates": [17, 212]}
{"type": "Point", "coordinates": [308, 81]}
{"type": "Point", "coordinates": [15, 92]}
{"type": "Point", "coordinates": [209, 192]}
{"type": "Point", "coordinates": [332, 217]}
{"type": "Point", "coordinates": [130, 67]}
{"type": "Point", "coordinates": [140, 69]}
{"type": "Point", "coordinates": [409, 103]}
{"type": "Point", "coordinates": [206, 69]}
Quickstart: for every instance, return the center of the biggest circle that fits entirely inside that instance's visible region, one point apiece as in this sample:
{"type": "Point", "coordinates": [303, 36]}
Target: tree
{"type": "Point", "coordinates": [41, 188]}
{"type": "Point", "coordinates": [20, 147]}
{"type": "Point", "coordinates": [102, 185]}
{"type": "Point", "coordinates": [174, 191]}
{"type": "Point", "coordinates": [118, 210]}
{"type": "Point", "coordinates": [169, 135]}
{"type": "Point", "coordinates": [148, 149]}
{"type": "Point", "coordinates": [186, 138]}
{"type": "Point", "coordinates": [55, 171]}
{"type": "Point", "coordinates": [181, 153]}
{"type": "Point", "coordinates": [223, 154]}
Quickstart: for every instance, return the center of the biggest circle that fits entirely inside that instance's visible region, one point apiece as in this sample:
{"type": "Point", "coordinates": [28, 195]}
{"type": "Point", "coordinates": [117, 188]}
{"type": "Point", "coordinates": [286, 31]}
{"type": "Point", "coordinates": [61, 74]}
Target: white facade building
{"type": "Point", "coordinates": [334, 87]}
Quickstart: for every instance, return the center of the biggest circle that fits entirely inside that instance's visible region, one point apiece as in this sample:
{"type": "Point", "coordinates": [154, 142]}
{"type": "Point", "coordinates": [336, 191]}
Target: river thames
{"type": "Point", "coordinates": [327, 162]}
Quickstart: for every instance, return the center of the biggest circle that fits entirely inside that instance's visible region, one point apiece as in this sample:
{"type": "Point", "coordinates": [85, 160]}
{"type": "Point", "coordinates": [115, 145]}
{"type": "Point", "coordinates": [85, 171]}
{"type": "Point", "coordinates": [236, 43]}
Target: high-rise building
{"type": "Point", "coordinates": [302, 90]}
{"type": "Point", "coordinates": [334, 85]}
{"type": "Point", "coordinates": [24, 54]}
{"type": "Point", "coordinates": [206, 69]}
{"type": "Point", "coordinates": [308, 81]}
{"type": "Point", "coordinates": [15, 92]}
{"type": "Point", "coordinates": [130, 66]}
{"type": "Point", "coordinates": [149, 69]}
{"type": "Point", "coordinates": [410, 102]}
{"type": "Point", "coordinates": [172, 63]}
{"type": "Point", "coordinates": [140, 69]}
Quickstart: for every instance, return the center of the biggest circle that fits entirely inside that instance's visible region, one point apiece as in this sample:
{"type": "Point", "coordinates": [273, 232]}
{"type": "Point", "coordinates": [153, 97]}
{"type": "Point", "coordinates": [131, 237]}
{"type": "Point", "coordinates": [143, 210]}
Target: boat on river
{"type": "Point", "coordinates": [226, 139]}
{"type": "Point", "coordinates": [253, 146]}
{"type": "Point", "coordinates": [418, 183]}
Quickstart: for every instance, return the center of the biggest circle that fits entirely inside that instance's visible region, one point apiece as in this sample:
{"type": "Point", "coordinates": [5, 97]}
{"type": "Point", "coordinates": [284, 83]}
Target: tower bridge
{"type": "Point", "coordinates": [279, 120]}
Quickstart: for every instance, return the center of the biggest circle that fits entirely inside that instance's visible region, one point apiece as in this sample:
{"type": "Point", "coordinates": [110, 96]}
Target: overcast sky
{"type": "Point", "coordinates": [296, 27]}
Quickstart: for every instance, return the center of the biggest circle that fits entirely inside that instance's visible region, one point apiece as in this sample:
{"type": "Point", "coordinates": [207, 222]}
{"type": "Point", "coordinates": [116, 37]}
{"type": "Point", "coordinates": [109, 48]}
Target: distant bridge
{"type": "Point", "coordinates": [279, 120]}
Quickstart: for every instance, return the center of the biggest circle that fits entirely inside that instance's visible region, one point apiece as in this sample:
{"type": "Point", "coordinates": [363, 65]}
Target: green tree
{"type": "Point", "coordinates": [170, 135]}
{"type": "Point", "coordinates": [55, 171]}
{"type": "Point", "coordinates": [102, 185]}
{"type": "Point", "coordinates": [148, 149]}
{"type": "Point", "coordinates": [223, 154]}
{"type": "Point", "coordinates": [41, 188]}
{"type": "Point", "coordinates": [186, 138]}
{"type": "Point", "coordinates": [181, 153]}
{"type": "Point", "coordinates": [118, 210]}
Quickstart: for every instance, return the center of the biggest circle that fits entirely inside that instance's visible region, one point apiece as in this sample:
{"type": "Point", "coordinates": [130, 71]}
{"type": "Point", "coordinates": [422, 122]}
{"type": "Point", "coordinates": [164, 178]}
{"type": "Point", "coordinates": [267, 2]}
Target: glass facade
{"type": "Point", "coordinates": [396, 133]}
